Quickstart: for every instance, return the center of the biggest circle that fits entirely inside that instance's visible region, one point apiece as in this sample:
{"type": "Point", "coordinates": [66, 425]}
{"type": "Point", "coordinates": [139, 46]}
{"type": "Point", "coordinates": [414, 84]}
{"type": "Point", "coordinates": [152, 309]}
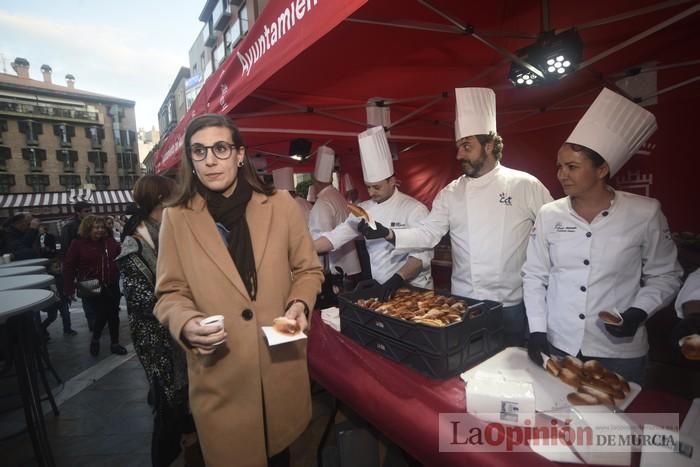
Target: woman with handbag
{"type": "Point", "coordinates": [161, 357]}
{"type": "Point", "coordinates": [89, 266]}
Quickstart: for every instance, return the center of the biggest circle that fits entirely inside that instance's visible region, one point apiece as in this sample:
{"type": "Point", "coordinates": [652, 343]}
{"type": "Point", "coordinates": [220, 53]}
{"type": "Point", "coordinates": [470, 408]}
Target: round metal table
{"type": "Point", "coordinates": [16, 312]}
{"type": "Point", "coordinates": [20, 271]}
{"type": "Point", "coordinates": [29, 281]}
{"type": "Point", "coordinates": [26, 262]}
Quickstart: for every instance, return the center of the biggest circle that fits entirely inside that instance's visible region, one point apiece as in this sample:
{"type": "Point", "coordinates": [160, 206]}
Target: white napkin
{"type": "Point", "coordinates": [274, 337]}
{"type": "Point", "coordinates": [331, 316]}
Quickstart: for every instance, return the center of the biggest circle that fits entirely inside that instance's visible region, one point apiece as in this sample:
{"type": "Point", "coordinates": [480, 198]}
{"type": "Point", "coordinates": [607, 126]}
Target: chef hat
{"type": "Point", "coordinates": [348, 183]}
{"type": "Point", "coordinates": [311, 195]}
{"type": "Point", "coordinates": [283, 178]}
{"type": "Point", "coordinates": [375, 155]}
{"type": "Point", "coordinates": [614, 127]}
{"type": "Point", "coordinates": [476, 112]}
{"type": "Point", "coordinates": [325, 162]}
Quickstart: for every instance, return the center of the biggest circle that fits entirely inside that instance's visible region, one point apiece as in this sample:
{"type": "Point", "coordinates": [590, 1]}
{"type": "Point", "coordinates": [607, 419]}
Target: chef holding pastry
{"type": "Point", "coordinates": [686, 334]}
{"type": "Point", "coordinates": [599, 250]}
{"type": "Point", "coordinates": [389, 206]}
{"type": "Point", "coordinates": [330, 210]}
{"type": "Point", "coordinates": [488, 211]}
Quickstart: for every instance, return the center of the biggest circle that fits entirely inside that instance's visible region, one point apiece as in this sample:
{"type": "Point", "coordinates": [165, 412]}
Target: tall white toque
{"type": "Point", "coordinates": [614, 127]}
{"type": "Point", "coordinates": [348, 183]}
{"type": "Point", "coordinates": [283, 178]}
{"type": "Point", "coordinates": [311, 195]}
{"type": "Point", "coordinates": [325, 162]}
{"type": "Point", "coordinates": [476, 112]}
{"type": "Point", "coordinates": [375, 155]}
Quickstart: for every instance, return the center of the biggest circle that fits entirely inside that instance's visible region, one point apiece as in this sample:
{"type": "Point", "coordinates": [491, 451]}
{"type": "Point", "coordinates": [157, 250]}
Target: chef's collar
{"type": "Point", "coordinates": [605, 212]}
{"type": "Point", "coordinates": [487, 177]}
{"type": "Point", "coordinates": [393, 195]}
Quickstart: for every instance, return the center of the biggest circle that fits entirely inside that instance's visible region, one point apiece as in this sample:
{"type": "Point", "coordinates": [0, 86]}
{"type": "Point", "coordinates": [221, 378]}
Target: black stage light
{"type": "Point", "coordinates": [300, 149]}
{"type": "Point", "coordinates": [555, 55]}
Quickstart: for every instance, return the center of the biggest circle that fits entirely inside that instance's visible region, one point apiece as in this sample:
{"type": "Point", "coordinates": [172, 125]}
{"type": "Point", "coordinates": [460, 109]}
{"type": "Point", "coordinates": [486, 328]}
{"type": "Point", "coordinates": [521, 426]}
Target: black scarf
{"type": "Point", "coordinates": [230, 212]}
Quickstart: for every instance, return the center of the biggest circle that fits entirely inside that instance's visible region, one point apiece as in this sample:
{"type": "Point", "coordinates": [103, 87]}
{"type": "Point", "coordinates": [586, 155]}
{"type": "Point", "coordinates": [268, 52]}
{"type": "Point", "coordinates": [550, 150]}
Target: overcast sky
{"type": "Point", "coordinates": [129, 49]}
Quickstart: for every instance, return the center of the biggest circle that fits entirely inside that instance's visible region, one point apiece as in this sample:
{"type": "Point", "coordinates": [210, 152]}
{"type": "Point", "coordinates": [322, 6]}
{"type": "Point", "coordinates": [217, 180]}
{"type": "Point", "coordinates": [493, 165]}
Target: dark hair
{"type": "Point", "coordinates": [593, 156]}
{"type": "Point", "coordinates": [497, 143]}
{"type": "Point", "coordinates": [152, 190]}
{"type": "Point", "coordinates": [80, 205]}
{"type": "Point", "coordinates": [186, 177]}
{"type": "Point", "coordinates": [88, 223]}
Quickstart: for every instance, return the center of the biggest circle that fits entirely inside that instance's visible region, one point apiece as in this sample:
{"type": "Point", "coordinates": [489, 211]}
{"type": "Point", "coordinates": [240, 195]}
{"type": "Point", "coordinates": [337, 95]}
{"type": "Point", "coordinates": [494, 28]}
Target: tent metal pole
{"type": "Point", "coordinates": [345, 134]}
{"type": "Point", "coordinates": [279, 101]}
{"type": "Point", "coordinates": [339, 118]}
{"type": "Point", "coordinates": [628, 15]}
{"type": "Point", "coordinates": [545, 15]}
{"type": "Point", "coordinates": [267, 114]}
{"type": "Point", "coordinates": [415, 112]}
{"type": "Point", "coordinates": [640, 36]}
{"type": "Point", "coordinates": [441, 28]}
{"type": "Point", "coordinates": [643, 69]}
{"type": "Point", "coordinates": [671, 88]}
{"type": "Point", "coordinates": [469, 30]}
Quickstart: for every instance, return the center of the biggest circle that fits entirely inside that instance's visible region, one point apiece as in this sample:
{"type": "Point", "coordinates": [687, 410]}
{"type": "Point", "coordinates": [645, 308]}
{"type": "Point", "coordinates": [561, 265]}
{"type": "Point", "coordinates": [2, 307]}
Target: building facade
{"type": "Point", "coordinates": [56, 138]}
{"type": "Point", "coordinates": [174, 106]}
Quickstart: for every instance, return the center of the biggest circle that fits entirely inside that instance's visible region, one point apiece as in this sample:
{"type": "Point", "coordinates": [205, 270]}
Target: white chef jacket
{"type": "Point", "coordinates": [489, 219]}
{"type": "Point", "coordinates": [399, 211]}
{"type": "Point", "coordinates": [574, 270]}
{"type": "Point", "coordinates": [689, 292]}
{"type": "Point", "coordinates": [330, 210]}
{"type": "Point", "coordinates": [305, 207]}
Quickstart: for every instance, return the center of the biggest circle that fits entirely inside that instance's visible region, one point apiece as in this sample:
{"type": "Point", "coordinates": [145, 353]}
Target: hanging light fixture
{"type": "Point", "coordinates": [555, 55]}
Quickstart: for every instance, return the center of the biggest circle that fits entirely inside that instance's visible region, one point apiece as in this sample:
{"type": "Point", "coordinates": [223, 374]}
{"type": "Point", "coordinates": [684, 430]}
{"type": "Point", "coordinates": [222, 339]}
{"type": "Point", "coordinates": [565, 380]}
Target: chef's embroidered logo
{"type": "Point", "coordinates": [559, 227]}
{"type": "Point", "coordinates": [398, 225]}
{"type": "Point", "coordinates": [505, 199]}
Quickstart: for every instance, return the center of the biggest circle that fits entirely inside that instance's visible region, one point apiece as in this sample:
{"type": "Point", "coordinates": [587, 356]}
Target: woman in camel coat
{"type": "Point", "coordinates": [249, 401]}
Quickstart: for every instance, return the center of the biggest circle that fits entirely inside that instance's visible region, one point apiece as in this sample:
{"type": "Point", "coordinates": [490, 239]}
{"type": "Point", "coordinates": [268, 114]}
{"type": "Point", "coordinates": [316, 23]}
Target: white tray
{"type": "Point", "coordinates": [550, 393]}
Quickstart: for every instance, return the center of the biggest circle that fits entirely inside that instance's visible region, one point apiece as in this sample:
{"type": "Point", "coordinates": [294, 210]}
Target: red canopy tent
{"type": "Point", "coordinates": [309, 68]}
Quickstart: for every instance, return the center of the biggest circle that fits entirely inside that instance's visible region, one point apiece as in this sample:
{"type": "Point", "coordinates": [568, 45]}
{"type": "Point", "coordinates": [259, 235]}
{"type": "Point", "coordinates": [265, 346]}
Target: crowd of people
{"type": "Point", "coordinates": [222, 241]}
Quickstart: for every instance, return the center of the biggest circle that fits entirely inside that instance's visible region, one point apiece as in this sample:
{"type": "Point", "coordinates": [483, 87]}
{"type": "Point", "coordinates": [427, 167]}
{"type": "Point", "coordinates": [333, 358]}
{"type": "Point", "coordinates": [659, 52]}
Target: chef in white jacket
{"type": "Point", "coordinates": [329, 210]}
{"type": "Point", "coordinates": [392, 268]}
{"type": "Point", "coordinates": [489, 212]}
{"type": "Point", "coordinates": [599, 249]}
{"type": "Point", "coordinates": [283, 179]}
{"type": "Point", "coordinates": [688, 308]}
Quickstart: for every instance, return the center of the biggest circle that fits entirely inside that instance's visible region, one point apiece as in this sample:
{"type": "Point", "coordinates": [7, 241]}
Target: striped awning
{"type": "Point", "coordinates": [60, 202]}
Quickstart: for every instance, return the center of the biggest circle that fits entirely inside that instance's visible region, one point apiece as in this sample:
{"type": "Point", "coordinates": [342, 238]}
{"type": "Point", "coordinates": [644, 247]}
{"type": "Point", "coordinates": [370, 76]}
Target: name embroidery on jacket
{"type": "Point", "coordinates": [559, 227]}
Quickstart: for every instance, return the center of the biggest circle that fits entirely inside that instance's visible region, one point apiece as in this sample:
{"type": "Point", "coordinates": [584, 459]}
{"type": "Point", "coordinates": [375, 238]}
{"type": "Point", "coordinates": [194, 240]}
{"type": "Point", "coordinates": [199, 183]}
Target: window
{"type": "Point", "coordinates": [126, 161]}
{"type": "Point", "coordinates": [69, 181]}
{"type": "Point", "coordinates": [5, 155]}
{"type": "Point", "coordinates": [3, 128]}
{"type": "Point", "coordinates": [101, 182]}
{"type": "Point", "coordinates": [98, 158]}
{"type": "Point", "coordinates": [32, 130]}
{"type": "Point", "coordinates": [126, 182]}
{"type": "Point", "coordinates": [68, 158]}
{"type": "Point", "coordinates": [37, 182]}
{"type": "Point", "coordinates": [95, 134]}
{"type": "Point", "coordinates": [233, 36]}
{"type": "Point", "coordinates": [65, 133]}
{"type": "Point", "coordinates": [7, 181]}
{"type": "Point", "coordinates": [243, 18]}
{"type": "Point", "coordinates": [219, 54]}
{"type": "Point", "coordinates": [34, 156]}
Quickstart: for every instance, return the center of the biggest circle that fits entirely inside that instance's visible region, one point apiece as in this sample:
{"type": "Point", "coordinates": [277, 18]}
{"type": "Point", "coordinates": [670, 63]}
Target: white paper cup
{"type": "Point", "coordinates": [212, 321]}
{"type": "Point", "coordinates": [7, 258]}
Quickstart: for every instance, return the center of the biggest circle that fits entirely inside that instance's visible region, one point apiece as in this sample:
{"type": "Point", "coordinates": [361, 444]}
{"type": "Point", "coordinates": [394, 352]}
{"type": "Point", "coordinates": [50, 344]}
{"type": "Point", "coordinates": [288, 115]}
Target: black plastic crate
{"type": "Point", "coordinates": [478, 347]}
{"type": "Point", "coordinates": [433, 340]}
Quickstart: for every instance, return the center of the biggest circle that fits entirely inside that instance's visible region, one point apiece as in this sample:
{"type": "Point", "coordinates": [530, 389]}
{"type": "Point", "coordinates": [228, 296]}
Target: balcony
{"type": "Point", "coordinates": [221, 14]}
{"type": "Point", "coordinates": [47, 112]}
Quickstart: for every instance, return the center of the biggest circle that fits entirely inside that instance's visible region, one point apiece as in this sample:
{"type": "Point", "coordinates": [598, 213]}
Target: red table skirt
{"type": "Point", "coordinates": [404, 405]}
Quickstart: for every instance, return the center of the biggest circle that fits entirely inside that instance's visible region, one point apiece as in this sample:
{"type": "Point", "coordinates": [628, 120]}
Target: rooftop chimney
{"type": "Point", "coordinates": [21, 67]}
{"type": "Point", "coordinates": [70, 81]}
{"type": "Point", "coordinates": [46, 71]}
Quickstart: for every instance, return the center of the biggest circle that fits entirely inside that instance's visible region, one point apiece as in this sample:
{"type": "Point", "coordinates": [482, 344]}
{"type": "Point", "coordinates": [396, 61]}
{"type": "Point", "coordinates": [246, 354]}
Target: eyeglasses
{"type": "Point", "coordinates": [221, 150]}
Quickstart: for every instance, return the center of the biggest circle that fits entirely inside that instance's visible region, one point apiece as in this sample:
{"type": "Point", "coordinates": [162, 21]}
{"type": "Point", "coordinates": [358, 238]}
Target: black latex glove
{"type": "Point", "coordinates": [633, 317]}
{"type": "Point", "coordinates": [370, 233]}
{"type": "Point", "coordinates": [388, 288]}
{"type": "Point", "coordinates": [536, 346]}
{"type": "Point", "coordinates": [685, 327]}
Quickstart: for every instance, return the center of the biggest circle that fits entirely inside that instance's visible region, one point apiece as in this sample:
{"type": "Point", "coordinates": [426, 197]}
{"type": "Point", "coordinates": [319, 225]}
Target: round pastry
{"type": "Point", "coordinates": [285, 325]}
{"type": "Point", "coordinates": [610, 318]}
{"type": "Point", "coordinates": [690, 347]}
{"type": "Point", "coordinates": [579, 398]}
{"type": "Point", "coordinates": [357, 211]}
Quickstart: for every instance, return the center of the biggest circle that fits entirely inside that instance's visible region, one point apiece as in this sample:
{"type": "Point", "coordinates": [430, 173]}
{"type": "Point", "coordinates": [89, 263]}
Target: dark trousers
{"type": "Point", "coordinates": [170, 422]}
{"type": "Point", "coordinates": [52, 313]}
{"type": "Point", "coordinates": [105, 309]}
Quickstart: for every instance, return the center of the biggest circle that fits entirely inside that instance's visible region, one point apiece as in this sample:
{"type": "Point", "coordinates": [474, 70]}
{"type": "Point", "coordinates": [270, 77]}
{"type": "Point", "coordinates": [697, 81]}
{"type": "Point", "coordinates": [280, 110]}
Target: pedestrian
{"type": "Point", "coordinates": [69, 232]}
{"type": "Point", "coordinates": [21, 234]}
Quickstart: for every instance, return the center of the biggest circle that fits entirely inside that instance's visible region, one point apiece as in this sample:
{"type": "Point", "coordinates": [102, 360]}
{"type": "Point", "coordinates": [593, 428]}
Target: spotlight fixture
{"type": "Point", "coordinates": [555, 55]}
{"type": "Point", "coordinates": [300, 149]}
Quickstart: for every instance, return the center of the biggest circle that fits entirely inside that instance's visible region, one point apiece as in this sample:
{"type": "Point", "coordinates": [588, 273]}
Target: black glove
{"type": "Point", "coordinates": [388, 288]}
{"type": "Point", "coordinates": [370, 233]}
{"type": "Point", "coordinates": [633, 317]}
{"type": "Point", "coordinates": [685, 327]}
{"type": "Point", "coordinates": [536, 346]}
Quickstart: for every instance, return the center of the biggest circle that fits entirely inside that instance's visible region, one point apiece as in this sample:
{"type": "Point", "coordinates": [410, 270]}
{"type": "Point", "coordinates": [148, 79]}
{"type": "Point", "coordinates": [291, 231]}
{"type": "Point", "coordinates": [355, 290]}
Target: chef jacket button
{"type": "Point", "coordinates": [247, 314]}
{"type": "Point", "coordinates": [586, 262]}
{"type": "Point", "coordinates": [582, 316]}
{"type": "Point", "coordinates": [605, 213]}
{"type": "Point", "coordinates": [583, 288]}
{"type": "Point", "coordinates": [588, 234]}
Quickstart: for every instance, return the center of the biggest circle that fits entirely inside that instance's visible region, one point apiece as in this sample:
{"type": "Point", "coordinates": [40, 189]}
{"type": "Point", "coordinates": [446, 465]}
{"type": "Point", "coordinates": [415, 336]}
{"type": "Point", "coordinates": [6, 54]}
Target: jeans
{"type": "Point", "coordinates": [515, 329]}
{"type": "Point", "coordinates": [632, 369]}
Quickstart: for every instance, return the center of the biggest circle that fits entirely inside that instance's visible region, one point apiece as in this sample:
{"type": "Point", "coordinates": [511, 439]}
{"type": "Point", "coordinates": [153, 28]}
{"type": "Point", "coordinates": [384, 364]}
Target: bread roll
{"type": "Point", "coordinates": [690, 347]}
{"type": "Point", "coordinates": [602, 397]}
{"type": "Point", "coordinates": [573, 364]}
{"type": "Point", "coordinates": [285, 325]}
{"type": "Point", "coordinates": [594, 369]}
{"type": "Point", "coordinates": [623, 382]}
{"type": "Point", "coordinates": [553, 367]}
{"type": "Point", "coordinates": [358, 211]}
{"type": "Point", "coordinates": [610, 318]}
{"type": "Point", "coordinates": [569, 377]}
{"type": "Point", "coordinates": [579, 398]}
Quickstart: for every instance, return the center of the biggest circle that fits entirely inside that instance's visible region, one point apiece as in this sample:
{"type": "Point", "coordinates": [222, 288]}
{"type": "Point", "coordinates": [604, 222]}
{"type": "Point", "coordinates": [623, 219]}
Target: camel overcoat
{"type": "Point", "coordinates": [246, 389]}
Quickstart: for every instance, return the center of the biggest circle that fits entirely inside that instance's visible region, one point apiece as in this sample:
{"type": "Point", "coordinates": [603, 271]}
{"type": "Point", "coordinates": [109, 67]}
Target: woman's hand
{"type": "Point", "coordinates": [203, 338]}
{"type": "Point", "coordinates": [296, 312]}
